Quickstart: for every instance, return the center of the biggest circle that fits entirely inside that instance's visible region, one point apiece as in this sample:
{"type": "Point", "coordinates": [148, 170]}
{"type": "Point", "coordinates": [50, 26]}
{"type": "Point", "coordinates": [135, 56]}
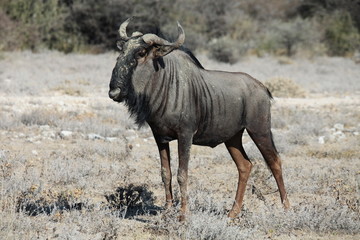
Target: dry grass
{"type": "Point", "coordinates": [284, 87]}
{"type": "Point", "coordinates": [103, 180]}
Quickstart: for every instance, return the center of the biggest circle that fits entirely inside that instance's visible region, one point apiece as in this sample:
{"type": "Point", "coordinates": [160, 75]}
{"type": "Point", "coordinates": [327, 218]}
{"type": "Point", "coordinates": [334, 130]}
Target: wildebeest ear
{"type": "Point", "coordinates": [163, 50]}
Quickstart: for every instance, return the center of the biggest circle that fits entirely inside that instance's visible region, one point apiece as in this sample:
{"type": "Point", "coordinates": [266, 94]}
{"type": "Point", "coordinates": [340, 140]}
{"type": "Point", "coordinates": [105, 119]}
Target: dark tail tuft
{"type": "Point", "coordinates": [269, 93]}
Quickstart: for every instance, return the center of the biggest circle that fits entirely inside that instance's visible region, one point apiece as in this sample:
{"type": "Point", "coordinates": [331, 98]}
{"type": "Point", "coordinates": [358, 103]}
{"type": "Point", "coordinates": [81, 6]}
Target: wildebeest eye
{"type": "Point", "coordinates": [141, 53]}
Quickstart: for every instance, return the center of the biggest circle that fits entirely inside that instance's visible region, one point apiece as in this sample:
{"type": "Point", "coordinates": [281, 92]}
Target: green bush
{"type": "Point", "coordinates": [341, 35]}
{"type": "Point", "coordinates": [224, 49]}
{"type": "Point", "coordinates": [292, 34]}
{"type": "Point", "coordinates": [287, 38]}
{"type": "Point", "coordinates": [40, 24]}
{"type": "Point", "coordinates": [277, 27]}
{"type": "Point", "coordinates": [8, 37]}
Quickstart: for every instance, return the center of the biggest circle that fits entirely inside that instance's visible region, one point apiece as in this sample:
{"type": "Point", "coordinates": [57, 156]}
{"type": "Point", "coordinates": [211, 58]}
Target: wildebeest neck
{"type": "Point", "coordinates": [161, 84]}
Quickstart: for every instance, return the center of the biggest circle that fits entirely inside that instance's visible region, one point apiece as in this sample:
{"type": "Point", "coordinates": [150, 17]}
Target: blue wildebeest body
{"type": "Point", "coordinates": [165, 86]}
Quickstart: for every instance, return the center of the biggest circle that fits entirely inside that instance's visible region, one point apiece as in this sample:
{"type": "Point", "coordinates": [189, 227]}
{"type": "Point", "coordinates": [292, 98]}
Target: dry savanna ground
{"type": "Point", "coordinates": [74, 166]}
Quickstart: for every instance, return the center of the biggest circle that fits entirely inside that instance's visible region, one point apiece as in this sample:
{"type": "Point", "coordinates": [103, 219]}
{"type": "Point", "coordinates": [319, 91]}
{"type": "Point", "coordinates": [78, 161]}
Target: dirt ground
{"type": "Point", "coordinates": [73, 165]}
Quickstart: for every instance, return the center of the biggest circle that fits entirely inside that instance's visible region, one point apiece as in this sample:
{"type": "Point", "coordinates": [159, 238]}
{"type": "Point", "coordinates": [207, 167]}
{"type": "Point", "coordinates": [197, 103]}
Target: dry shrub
{"type": "Point", "coordinates": [335, 150]}
{"type": "Point", "coordinates": [130, 201]}
{"type": "Point", "coordinates": [284, 87]}
{"type": "Point", "coordinates": [68, 90]}
{"type": "Point", "coordinates": [40, 117]}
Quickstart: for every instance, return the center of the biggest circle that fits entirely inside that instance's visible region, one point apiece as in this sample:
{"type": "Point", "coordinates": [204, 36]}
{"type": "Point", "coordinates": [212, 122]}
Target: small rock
{"type": "Point", "coordinates": [339, 135]}
{"type": "Point", "coordinates": [130, 134]}
{"type": "Point", "coordinates": [356, 133]}
{"type": "Point", "coordinates": [94, 136]}
{"type": "Point", "coordinates": [34, 152]}
{"type": "Point", "coordinates": [34, 139]}
{"type": "Point", "coordinates": [65, 134]}
{"type": "Point", "coordinates": [111, 139]}
{"type": "Point", "coordinates": [322, 139]}
{"type": "Point", "coordinates": [44, 127]}
{"type": "Point", "coordinates": [130, 138]}
{"type": "Point", "coordinates": [2, 154]}
{"type": "Point", "coordinates": [49, 135]}
{"type": "Point", "coordinates": [339, 126]}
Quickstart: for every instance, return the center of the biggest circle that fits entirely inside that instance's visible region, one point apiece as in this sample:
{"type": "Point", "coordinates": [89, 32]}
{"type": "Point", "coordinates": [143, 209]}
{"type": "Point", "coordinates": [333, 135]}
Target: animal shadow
{"type": "Point", "coordinates": [31, 207]}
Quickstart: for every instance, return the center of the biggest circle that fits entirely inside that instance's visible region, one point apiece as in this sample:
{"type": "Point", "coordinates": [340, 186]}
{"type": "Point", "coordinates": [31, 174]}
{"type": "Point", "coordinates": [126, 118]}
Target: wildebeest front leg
{"type": "Point", "coordinates": [184, 146]}
{"type": "Point", "coordinates": [166, 175]}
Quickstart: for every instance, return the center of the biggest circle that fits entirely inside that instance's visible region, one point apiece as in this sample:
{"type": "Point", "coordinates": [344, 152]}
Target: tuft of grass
{"type": "Point", "coordinates": [40, 117]}
{"type": "Point", "coordinates": [334, 151]}
{"type": "Point", "coordinates": [71, 91]}
{"type": "Point", "coordinates": [284, 87]}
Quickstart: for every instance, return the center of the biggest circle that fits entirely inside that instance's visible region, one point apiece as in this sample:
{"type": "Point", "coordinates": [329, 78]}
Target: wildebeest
{"type": "Point", "coordinates": [164, 85]}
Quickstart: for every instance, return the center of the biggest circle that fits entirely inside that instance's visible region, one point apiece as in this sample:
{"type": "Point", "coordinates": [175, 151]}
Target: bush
{"type": "Point", "coordinates": [287, 37]}
{"type": "Point", "coordinates": [273, 26]}
{"type": "Point", "coordinates": [40, 24]}
{"type": "Point", "coordinates": [341, 35]}
{"type": "Point", "coordinates": [292, 34]}
{"type": "Point", "coordinates": [284, 87]}
{"type": "Point", "coordinates": [39, 117]}
{"type": "Point", "coordinates": [224, 50]}
{"type": "Point", "coordinates": [9, 39]}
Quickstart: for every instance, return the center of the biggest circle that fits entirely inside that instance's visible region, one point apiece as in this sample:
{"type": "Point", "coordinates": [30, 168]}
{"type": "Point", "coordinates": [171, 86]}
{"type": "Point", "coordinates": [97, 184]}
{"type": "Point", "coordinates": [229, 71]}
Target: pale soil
{"type": "Point", "coordinates": [71, 89]}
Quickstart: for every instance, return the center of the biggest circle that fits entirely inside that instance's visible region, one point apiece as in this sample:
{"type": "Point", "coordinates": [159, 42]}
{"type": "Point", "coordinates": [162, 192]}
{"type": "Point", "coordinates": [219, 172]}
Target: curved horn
{"type": "Point", "coordinates": [122, 29]}
{"type": "Point", "coordinates": [154, 39]}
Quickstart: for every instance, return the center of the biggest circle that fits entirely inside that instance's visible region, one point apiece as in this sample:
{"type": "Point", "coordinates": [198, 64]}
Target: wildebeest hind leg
{"type": "Point", "coordinates": [267, 148]}
{"type": "Point", "coordinates": [166, 176]}
{"type": "Point", "coordinates": [237, 152]}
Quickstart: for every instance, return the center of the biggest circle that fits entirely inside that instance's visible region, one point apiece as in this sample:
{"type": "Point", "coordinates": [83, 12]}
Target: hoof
{"type": "Point", "coordinates": [233, 213]}
{"type": "Point", "coordinates": [182, 218]}
{"type": "Point", "coordinates": [169, 204]}
{"type": "Point", "coordinates": [286, 204]}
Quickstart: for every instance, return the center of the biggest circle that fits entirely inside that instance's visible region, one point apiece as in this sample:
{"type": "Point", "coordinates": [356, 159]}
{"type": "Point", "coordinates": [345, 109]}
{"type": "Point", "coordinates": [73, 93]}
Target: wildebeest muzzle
{"type": "Point", "coordinates": [114, 94]}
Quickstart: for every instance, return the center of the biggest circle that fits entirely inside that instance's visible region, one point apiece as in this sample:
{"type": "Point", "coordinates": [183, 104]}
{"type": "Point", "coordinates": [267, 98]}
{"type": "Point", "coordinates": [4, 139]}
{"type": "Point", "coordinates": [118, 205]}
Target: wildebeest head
{"type": "Point", "coordinates": [135, 51]}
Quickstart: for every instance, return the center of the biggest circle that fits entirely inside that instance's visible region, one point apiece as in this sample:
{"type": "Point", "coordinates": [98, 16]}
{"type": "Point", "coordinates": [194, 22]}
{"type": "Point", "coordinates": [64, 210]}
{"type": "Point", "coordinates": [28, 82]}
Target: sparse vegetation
{"type": "Point", "coordinates": [278, 27]}
{"type": "Point", "coordinates": [76, 167]}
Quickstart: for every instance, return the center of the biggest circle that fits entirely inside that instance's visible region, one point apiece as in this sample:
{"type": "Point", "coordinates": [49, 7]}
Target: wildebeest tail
{"type": "Point", "coordinates": [269, 93]}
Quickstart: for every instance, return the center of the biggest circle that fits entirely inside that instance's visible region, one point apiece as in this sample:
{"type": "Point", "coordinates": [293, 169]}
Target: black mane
{"type": "Point", "coordinates": [138, 106]}
{"type": "Point", "coordinates": [188, 52]}
{"type": "Point", "coordinates": [159, 33]}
